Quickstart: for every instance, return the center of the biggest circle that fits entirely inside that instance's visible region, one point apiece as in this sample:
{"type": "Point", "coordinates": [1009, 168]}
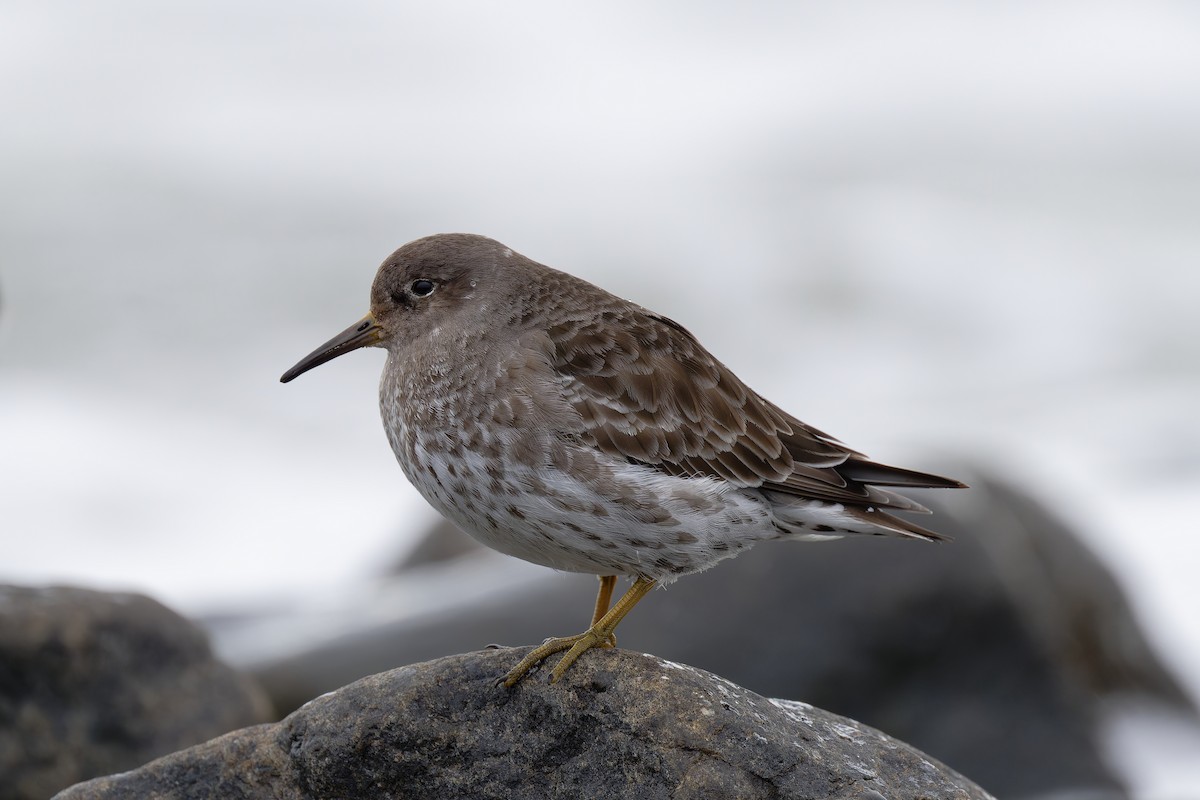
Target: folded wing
{"type": "Point", "coordinates": [647, 391]}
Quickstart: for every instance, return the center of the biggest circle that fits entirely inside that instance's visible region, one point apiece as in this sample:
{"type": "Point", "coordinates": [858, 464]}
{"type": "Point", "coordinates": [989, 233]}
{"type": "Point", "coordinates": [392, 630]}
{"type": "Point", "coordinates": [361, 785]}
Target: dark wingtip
{"type": "Point", "coordinates": [875, 474]}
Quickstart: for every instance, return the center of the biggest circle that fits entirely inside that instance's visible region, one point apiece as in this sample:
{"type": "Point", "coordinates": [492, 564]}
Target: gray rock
{"type": "Point", "coordinates": [619, 725]}
{"type": "Point", "coordinates": [996, 652]}
{"type": "Point", "coordinates": [93, 682]}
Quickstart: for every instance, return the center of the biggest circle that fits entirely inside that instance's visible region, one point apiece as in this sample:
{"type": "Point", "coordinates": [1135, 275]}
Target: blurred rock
{"type": "Point", "coordinates": [997, 653]}
{"type": "Point", "coordinates": [93, 683]}
{"type": "Point", "coordinates": [620, 724]}
{"type": "Point", "coordinates": [445, 542]}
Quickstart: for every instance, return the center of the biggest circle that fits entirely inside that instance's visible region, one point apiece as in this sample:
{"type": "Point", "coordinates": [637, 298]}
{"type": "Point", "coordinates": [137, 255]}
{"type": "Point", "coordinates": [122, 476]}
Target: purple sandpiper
{"type": "Point", "coordinates": [558, 423]}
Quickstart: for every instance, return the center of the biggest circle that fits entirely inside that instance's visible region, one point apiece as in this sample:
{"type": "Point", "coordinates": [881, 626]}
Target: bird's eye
{"type": "Point", "coordinates": [422, 287]}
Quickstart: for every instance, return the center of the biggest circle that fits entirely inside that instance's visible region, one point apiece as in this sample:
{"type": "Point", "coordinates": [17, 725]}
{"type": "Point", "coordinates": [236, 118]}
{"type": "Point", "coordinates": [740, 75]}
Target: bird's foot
{"type": "Point", "coordinates": [596, 636]}
{"type": "Point", "coordinates": [599, 635]}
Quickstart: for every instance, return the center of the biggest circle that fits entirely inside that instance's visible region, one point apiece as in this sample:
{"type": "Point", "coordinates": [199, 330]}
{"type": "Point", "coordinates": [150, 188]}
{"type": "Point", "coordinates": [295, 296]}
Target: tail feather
{"type": "Point", "coordinates": [894, 501]}
{"type": "Point", "coordinates": [873, 475]}
{"type": "Point", "coordinates": [886, 523]}
{"type": "Point", "coordinates": [863, 471]}
{"type": "Point", "coordinates": [819, 519]}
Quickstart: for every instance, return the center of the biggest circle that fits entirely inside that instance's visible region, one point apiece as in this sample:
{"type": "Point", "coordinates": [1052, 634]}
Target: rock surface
{"type": "Point", "coordinates": [996, 652]}
{"type": "Point", "coordinates": [620, 724]}
{"type": "Point", "coordinates": [92, 683]}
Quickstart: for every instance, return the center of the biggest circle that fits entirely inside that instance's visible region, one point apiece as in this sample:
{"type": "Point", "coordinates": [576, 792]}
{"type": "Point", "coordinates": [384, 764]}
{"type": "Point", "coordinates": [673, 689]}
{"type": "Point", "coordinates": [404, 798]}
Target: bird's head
{"type": "Point", "coordinates": [419, 288]}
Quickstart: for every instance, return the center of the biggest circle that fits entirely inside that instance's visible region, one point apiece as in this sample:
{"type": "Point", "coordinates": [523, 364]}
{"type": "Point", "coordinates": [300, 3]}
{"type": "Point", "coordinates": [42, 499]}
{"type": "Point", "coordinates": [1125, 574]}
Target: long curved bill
{"type": "Point", "coordinates": [363, 333]}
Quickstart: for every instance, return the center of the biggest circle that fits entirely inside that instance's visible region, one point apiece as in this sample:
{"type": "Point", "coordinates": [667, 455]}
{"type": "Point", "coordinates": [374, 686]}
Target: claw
{"type": "Point", "coordinates": [599, 635]}
{"type": "Point", "coordinates": [539, 654]}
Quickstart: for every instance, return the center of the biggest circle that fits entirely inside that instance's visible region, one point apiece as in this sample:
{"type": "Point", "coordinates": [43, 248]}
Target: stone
{"type": "Point", "coordinates": [618, 725]}
{"type": "Point", "coordinates": [92, 683]}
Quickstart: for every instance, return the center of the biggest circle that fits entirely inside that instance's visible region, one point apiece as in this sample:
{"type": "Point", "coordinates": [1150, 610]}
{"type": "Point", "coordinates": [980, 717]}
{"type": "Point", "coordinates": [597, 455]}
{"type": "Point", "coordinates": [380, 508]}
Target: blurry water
{"type": "Point", "coordinates": [942, 228]}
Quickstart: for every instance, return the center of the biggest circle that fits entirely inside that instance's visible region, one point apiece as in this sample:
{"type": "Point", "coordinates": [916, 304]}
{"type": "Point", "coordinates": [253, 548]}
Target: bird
{"type": "Point", "coordinates": [558, 423]}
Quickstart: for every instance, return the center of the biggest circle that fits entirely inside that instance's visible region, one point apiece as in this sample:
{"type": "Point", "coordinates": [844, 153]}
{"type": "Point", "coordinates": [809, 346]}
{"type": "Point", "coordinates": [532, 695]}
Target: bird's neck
{"type": "Point", "coordinates": [432, 381]}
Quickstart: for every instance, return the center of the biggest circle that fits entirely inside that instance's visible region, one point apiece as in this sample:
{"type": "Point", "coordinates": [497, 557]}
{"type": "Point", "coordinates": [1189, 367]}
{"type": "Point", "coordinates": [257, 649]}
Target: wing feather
{"type": "Point", "coordinates": [647, 391]}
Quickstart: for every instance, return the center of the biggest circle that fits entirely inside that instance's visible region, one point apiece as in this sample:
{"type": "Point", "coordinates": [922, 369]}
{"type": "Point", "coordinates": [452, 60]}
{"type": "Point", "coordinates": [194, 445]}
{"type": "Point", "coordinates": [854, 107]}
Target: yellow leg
{"type": "Point", "coordinates": [604, 597]}
{"type": "Point", "coordinates": [595, 636]}
{"type": "Point", "coordinates": [607, 582]}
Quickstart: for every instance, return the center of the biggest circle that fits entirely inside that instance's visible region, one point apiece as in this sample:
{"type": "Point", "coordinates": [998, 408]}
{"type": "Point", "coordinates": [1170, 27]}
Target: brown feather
{"type": "Point", "coordinates": [650, 392]}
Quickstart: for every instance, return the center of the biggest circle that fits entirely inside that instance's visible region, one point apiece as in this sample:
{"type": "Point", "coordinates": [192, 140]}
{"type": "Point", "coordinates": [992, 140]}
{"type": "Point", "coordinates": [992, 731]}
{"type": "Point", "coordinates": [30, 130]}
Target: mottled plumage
{"type": "Point", "coordinates": [558, 423]}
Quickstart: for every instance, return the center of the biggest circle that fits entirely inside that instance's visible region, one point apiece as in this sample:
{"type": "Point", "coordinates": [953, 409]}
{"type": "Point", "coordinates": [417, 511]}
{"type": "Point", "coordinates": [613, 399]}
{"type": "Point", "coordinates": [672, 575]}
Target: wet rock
{"type": "Point", "coordinates": [619, 725]}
